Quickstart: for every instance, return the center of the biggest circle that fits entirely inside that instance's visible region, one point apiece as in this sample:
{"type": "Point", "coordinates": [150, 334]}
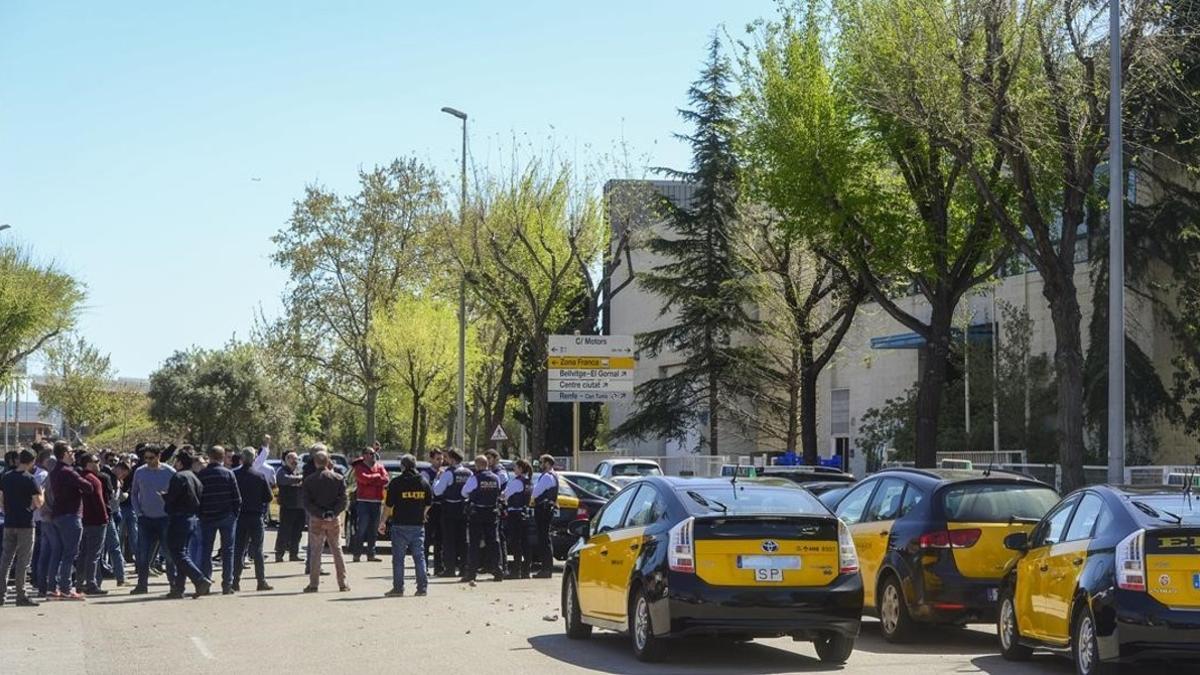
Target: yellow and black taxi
{"type": "Point", "coordinates": [931, 541]}
{"type": "Point", "coordinates": [727, 558]}
{"type": "Point", "coordinates": [1110, 575]}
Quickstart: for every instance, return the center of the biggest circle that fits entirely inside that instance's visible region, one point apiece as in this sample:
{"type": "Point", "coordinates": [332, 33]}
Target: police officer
{"type": "Point", "coordinates": [545, 504]}
{"type": "Point", "coordinates": [449, 487]}
{"type": "Point", "coordinates": [433, 523]}
{"type": "Point", "coordinates": [494, 465]}
{"type": "Point", "coordinates": [482, 492]}
{"type": "Point", "coordinates": [517, 494]}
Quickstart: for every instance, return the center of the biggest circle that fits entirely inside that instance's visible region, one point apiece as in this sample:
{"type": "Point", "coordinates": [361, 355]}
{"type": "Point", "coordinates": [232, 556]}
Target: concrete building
{"type": "Point", "coordinates": [879, 358]}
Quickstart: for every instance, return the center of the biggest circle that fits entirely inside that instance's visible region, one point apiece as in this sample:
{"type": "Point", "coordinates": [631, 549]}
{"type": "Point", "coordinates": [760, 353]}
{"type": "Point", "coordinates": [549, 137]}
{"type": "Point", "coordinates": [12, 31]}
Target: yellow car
{"type": "Point", "coordinates": [729, 559]}
{"type": "Point", "coordinates": [931, 541]}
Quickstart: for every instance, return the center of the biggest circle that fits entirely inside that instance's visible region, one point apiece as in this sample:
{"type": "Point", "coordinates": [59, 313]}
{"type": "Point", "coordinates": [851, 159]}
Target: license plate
{"type": "Point", "coordinates": [993, 594]}
{"type": "Point", "coordinates": [768, 575]}
{"type": "Point", "coordinates": [777, 562]}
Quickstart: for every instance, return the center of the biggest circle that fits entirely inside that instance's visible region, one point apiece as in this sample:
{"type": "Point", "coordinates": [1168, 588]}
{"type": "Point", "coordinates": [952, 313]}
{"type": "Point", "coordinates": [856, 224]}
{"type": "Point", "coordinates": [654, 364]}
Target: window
{"type": "Point", "coordinates": [647, 508]}
{"type": "Point", "coordinates": [912, 497]}
{"type": "Point", "coordinates": [1052, 529]}
{"type": "Point", "coordinates": [886, 504]}
{"type": "Point", "coordinates": [750, 498]}
{"type": "Point", "coordinates": [612, 513]}
{"type": "Point", "coordinates": [595, 486]}
{"type": "Point", "coordinates": [1084, 522]}
{"type": "Point", "coordinates": [996, 502]}
{"type": "Point", "coordinates": [855, 504]}
{"type": "Point", "coordinates": [839, 412]}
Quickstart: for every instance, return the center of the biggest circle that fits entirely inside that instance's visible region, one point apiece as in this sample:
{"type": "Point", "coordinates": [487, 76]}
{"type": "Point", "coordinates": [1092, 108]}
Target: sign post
{"type": "Point", "coordinates": [588, 369]}
{"type": "Point", "coordinates": [498, 437]}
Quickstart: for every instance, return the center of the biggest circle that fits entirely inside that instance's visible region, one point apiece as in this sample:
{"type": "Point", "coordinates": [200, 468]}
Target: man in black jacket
{"type": "Point", "coordinates": [256, 498]}
{"type": "Point", "coordinates": [408, 500]}
{"type": "Point", "coordinates": [182, 504]}
{"type": "Point", "coordinates": [325, 501]}
{"type": "Point", "coordinates": [291, 509]}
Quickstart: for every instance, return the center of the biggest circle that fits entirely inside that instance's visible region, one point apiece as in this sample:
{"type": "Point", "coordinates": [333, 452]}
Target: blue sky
{"type": "Point", "coordinates": [130, 133]}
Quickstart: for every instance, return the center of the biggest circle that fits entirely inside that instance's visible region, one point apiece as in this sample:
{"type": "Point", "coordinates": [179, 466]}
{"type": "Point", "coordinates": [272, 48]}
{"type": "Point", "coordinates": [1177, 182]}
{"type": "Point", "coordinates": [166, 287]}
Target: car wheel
{"type": "Point", "coordinates": [576, 628]}
{"type": "Point", "coordinates": [1084, 646]}
{"type": "Point", "coordinates": [1008, 630]}
{"type": "Point", "coordinates": [834, 647]}
{"type": "Point", "coordinates": [894, 621]}
{"type": "Point", "coordinates": [646, 645]}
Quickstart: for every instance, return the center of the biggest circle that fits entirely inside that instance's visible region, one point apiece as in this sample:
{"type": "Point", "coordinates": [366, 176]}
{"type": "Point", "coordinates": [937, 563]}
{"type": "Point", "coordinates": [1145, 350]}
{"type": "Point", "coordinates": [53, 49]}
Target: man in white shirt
{"type": "Point", "coordinates": [545, 499]}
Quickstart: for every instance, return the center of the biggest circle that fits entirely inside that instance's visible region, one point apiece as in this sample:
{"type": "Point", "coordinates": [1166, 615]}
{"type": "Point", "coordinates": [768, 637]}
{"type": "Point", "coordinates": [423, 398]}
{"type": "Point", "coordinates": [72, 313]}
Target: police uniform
{"type": "Point", "coordinates": [517, 497]}
{"type": "Point", "coordinates": [501, 528]}
{"type": "Point", "coordinates": [454, 518]}
{"type": "Point", "coordinates": [482, 492]}
{"type": "Point", "coordinates": [433, 524]}
{"type": "Point", "coordinates": [545, 503]}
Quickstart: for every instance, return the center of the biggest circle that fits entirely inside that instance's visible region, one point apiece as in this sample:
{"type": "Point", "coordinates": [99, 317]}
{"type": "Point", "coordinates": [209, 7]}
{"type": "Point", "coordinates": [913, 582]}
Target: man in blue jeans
{"type": "Point", "coordinates": [219, 506]}
{"type": "Point", "coordinates": [67, 489]}
{"type": "Point", "coordinates": [150, 482]}
{"type": "Point", "coordinates": [408, 500]}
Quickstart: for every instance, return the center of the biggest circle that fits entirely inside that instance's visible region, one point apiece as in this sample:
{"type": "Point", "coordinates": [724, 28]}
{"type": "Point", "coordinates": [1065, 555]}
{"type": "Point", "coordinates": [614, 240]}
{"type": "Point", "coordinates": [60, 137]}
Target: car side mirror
{"type": "Point", "coordinates": [579, 529]}
{"type": "Point", "coordinates": [1017, 541]}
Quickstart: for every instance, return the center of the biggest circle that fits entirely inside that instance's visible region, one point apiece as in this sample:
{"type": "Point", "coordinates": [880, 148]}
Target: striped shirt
{"type": "Point", "coordinates": [221, 496]}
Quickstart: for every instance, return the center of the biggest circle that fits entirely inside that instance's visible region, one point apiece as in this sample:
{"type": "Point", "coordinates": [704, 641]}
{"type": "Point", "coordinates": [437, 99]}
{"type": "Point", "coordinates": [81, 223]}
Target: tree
{"type": "Point", "coordinates": [77, 380]}
{"type": "Point", "coordinates": [1037, 93]}
{"type": "Point", "coordinates": [806, 305]}
{"type": "Point", "coordinates": [349, 259]}
{"type": "Point", "coordinates": [224, 395]}
{"type": "Point", "coordinates": [415, 332]}
{"type": "Point", "coordinates": [702, 280]}
{"type": "Point", "coordinates": [37, 304]}
{"type": "Point", "coordinates": [883, 199]}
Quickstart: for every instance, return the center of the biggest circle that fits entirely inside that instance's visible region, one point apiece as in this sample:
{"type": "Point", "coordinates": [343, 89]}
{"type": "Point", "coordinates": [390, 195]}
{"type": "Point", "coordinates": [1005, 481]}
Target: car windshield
{"type": "Point", "coordinates": [996, 502]}
{"type": "Point", "coordinates": [1182, 508]}
{"type": "Point", "coordinates": [636, 470]}
{"type": "Point", "coordinates": [736, 499]}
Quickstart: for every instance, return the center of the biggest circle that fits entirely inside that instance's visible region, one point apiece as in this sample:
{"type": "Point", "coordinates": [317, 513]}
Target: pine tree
{"type": "Point", "coordinates": [702, 282]}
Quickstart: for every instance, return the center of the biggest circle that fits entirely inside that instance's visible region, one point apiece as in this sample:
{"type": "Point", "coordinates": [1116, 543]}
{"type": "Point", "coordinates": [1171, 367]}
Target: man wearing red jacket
{"type": "Point", "coordinates": [95, 526]}
{"type": "Point", "coordinates": [370, 479]}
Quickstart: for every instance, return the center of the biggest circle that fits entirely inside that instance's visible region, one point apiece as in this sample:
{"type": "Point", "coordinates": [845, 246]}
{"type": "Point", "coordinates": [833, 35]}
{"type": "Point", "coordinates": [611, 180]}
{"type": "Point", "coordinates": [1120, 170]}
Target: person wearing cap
{"type": "Point", "coordinates": [449, 487]}
{"type": "Point", "coordinates": [545, 503]}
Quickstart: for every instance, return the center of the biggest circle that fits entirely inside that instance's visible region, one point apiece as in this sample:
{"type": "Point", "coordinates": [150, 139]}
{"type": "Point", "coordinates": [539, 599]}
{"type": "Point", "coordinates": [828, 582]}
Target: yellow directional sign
{"type": "Point", "coordinates": [594, 362]}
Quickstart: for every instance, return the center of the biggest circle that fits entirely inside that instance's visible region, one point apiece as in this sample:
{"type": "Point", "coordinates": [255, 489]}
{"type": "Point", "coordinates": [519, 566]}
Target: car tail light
{"type": "Point", "coordinates": [847, 554]}
{"type": "Point", "coordinates": [1131, 562]}
{"type": "Point", "coordinates": [681, 556]}
{"type": "Point", "coordinates": [950, 538]}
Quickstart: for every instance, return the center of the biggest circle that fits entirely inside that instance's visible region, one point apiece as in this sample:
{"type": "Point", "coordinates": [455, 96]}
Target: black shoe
{"type": "Point", "coordinates": [202, 588]}
{"type": "Point", "coordinates": [394, 593]}
{"type": "Point", "coordinates": [264, 586]}
{"type": "Point", "coordinates": [23, 601]}
{"type": "Point", "coordinates": [139, 590]}
{"type": "Point", "coordinates": [310, 589]}
{"type": "Point", "coordinates": [236, 586]}
{"type": "Point", "coordinates": [421, 593]}
{"type": "Point", "coordinates": [278, 557]}
{"type": "Point", "coordinates": [498, 577]}
{"type": "Point", "coordinates": [94, 591]}
{"type": "Point", "coordinates": [175, 595]}
{"type": "Point", "coordinates": [543, 575]}
{"type": "Point", "coordinates": [227, 590]}
{"type": "Point", "coordinates": [466, 580]}
{"type": "Point", "coordinates": [357, 558]}
{"type": "Point", "coordinates": [344, 588]}
{"type": "Point", "coordinates": [372, 558]}
{"type": "Point", "coordinates": [295, 558]}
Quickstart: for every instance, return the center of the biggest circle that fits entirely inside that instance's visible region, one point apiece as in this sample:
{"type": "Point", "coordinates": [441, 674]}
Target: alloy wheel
{"type": "Point", "coordinates": [641, 623]}
{"type": "Point", "coordinates": [889, 612]}
{"type": "Point", "coordinates": [1008, 625]}
{"type": "Point", "coordinates": [1085, 647]}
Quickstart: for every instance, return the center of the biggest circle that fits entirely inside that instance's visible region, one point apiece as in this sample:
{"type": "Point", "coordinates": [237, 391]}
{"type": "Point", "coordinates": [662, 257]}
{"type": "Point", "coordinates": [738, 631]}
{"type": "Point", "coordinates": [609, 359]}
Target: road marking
{"type": "Point", "coordinates": [200, 647]}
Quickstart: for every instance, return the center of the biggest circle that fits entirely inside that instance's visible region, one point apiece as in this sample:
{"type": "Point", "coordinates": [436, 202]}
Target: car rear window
{"type": "Point", "coordinates": [996, 503]}
{"type": "Point", "coordinates": [1183, 509]}
{"type": "Point", "coordinates": [749, 499]}
{"type": "Point", "coordinates": [635, 470]}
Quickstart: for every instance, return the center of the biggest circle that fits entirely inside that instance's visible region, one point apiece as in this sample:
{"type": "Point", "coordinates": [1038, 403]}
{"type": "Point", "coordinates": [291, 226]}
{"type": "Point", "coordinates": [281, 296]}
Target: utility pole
{"type": "Point", "coordinates": [995, 378]}
{"type": "Point", "coordinates": [1116, 258]}
{"type": "Point", "coordinates": [460, 420]}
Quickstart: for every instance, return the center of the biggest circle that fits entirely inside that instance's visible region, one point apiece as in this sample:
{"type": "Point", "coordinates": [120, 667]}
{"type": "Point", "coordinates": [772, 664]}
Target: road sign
{"type": "Point", "coordinates": [589, 368]}
{"type": "Point", "coordinates": [498, 434]}
{"type": "Point", "coordinates": [590, 396]}
{"type": "Point", "coordinates": [591, 345]}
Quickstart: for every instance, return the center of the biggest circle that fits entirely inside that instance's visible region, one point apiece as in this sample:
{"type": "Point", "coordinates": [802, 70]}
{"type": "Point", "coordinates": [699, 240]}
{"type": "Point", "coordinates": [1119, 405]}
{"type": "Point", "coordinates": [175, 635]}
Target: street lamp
{"type": "Point", "coordinates": [1116, 258]}
{"type": "Point", "coordinates": [4, 227]}
{"type": "Point", "coordinates": [460, 421]}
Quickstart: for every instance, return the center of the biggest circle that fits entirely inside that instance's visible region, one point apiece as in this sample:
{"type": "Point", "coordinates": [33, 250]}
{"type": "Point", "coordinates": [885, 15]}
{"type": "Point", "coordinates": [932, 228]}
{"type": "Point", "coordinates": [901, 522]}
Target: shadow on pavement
{"type": "Point", "coordinates": [1044, 663]}
{"type": "Point", "coordinates": [611, 653]}
{"type": "Point", "coordinates": [929, 640]}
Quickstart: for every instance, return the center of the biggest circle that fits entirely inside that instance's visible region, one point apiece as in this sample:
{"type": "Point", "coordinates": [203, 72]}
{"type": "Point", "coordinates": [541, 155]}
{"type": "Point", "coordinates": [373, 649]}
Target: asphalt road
{"type": "Point", "coordinates": [490, 628]}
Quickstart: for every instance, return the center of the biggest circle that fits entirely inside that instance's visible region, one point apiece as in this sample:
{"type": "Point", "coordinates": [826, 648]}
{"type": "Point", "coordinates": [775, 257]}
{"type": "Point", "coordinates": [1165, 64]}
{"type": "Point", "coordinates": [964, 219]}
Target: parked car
{"type": "Point", "coordinates": [669, 557]}
{"type": "Point", "coordinates": [829, 494]}
{"type": "Point", "coordinates": [1110, 575]}
{"type": "Point", "coordinates": [592, 485]}
{"type": "Point", "coordinates": [621, 471]}
{"type": "Point", "coordinates": [931, 541]}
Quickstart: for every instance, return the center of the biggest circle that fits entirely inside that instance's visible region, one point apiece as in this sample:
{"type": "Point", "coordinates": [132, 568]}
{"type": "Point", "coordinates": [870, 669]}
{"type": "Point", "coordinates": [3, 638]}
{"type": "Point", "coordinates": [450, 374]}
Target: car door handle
{"type": "Point", "coordinates": [1044, 568]}
{"type": "Point", "coordinates": [884, 533]}
{"type": "Point", "coordinates": [604, 551]}
{"type": "Point", "coordinates": [1077, 562]}
{"type": "Point", "coordinates": [634, 547]}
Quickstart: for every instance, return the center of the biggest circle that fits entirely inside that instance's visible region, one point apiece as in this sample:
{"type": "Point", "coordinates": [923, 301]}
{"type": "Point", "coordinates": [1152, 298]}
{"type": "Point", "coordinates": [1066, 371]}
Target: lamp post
{"type": "Point", "coordinates": [460, 420]}
{"type": "Point", "coordinates": [1116, 258]}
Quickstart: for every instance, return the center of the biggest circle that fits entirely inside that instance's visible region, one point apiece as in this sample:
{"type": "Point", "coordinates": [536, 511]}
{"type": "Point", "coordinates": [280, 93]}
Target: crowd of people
{"type": "Point", "coordinates": [72, 518]}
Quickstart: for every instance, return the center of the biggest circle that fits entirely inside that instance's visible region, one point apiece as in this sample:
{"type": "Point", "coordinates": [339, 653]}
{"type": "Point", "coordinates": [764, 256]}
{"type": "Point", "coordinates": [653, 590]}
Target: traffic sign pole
{"type": "Point", "coordinates": [575, 433]}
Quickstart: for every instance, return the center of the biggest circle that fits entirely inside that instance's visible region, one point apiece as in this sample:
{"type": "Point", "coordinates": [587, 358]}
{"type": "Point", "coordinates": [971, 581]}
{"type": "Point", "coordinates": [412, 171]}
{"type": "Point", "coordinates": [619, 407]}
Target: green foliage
{"type": "Point", "coordinates": [219, 396]}
{"type": "Point", "coordinates": [37, 303]}
{"type": "Point", "coordinates": [77, 377]}
{"type": "Point", "coordinates": [702, 281]}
